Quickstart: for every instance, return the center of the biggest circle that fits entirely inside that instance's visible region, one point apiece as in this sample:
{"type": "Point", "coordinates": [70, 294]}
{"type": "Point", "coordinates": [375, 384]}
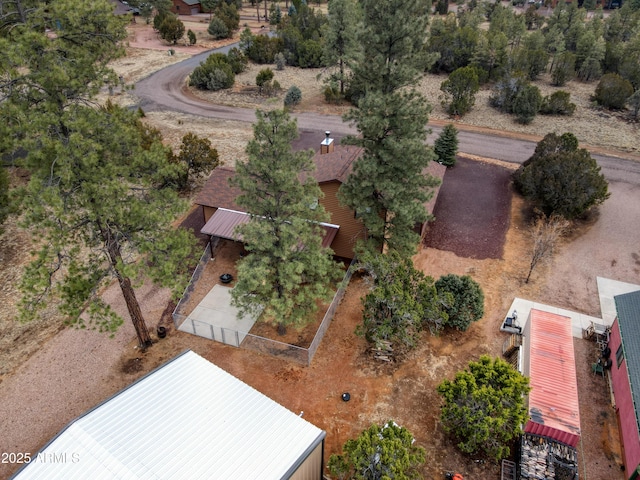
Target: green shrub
{"type": "Point", "coordinates": [237, 60]}
{"type": "Point", "coordinates": [310, 54]}
{"type": "Point", "coordinates": [332, 93]}
{"type": "Point", "coordinates": [171, 29]}
{"type": "Point", "coordinates": [484, 407]}
{"type": "Point", "coordinates": [505, 91]}
{"type": "Point", "coordinates": [557, 104]}
{"type": "Point", "coordinates": [218, 29]}
{"type": "Point", "coordinates": [192, 37]}
{"type": "Point", "coordinates": [280, 61]}
{"type": "Point", "coordinates": [293, 96]}
{"type": "Point", "coordinates": [613, 91]}
{"type": "Point", "coordinates": [560, 178]}
{"type": "Point", "coordinates": [263, 49]}
{"type": "Point", "coordinates": [514, 94]}
{"type": "Point", "coordinates": [220, 78]}
{"type": "Point", "coordinates": [460, 90]}
{"type": "Point", "coordinates": [527, 103]}
{"type": "Point", "coordinates": [159, 18]}
{"type": "Point", "coordinates": [264, 76]}
{"type": "Point", "coordinates": [215, 73]}
{"type": "Point", "coordinates": [468, 300]}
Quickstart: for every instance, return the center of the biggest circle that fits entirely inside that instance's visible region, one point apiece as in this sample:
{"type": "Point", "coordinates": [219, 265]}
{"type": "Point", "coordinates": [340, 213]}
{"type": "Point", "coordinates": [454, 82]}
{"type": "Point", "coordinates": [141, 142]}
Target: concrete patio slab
{"type": "Point", "coordinates": [578, 320]}
{"type": "Point", "coordinates": [607, 290]}
{"type": "Point", "coordinates": [217, 319]}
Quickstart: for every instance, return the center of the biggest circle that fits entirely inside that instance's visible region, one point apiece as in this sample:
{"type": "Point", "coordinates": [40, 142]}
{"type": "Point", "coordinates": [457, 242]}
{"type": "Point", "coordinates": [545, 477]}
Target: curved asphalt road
{"type": "Point", "coordinates": [162, 91]}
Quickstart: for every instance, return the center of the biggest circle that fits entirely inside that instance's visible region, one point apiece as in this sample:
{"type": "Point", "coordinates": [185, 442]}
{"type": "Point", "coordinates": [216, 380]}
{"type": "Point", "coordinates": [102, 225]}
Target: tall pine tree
{"type": "Point", "coordinates": [287, 270]}
{"type": "Point", "coordinates": [94, 193]}
{"type": "Point", "coordinates": [101, 214]}
{"type": "Point", "coordinates": [388, 188]}
{"type": "Point", "coordinates": [341, 38]}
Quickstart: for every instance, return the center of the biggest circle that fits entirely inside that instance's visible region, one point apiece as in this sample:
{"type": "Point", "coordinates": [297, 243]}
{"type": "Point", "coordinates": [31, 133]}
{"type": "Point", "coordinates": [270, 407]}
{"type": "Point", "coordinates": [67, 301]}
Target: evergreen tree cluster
{"type": "Point", "coordinates": [299, 37]}
{"type": "Point", "coordinates": [218, 71]}
{"type": "Point", "coordinates": [403, 301]}
{"type": "Point", "coordinates": [569, 44]}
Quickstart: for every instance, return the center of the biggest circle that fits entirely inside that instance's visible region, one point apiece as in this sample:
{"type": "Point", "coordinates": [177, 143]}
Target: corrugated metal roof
{"type": "Point", "coordinates": [188, 419]}
{"type": "Point", "coordinates": [628, 310]}
{"type": "Point", "coordinates": [224, 221]}
{"type": "Point", "coordinates": [553, 400]}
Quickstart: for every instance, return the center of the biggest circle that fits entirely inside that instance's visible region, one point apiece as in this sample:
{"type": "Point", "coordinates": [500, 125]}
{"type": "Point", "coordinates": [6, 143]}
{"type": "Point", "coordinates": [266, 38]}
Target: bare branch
{"type": "Point", "coordinates": [545, 234]}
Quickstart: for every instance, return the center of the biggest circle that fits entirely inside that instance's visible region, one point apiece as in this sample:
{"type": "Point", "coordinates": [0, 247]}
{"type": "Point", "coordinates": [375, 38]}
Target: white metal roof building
{"type": "Point", "coordinates": [188, 419]}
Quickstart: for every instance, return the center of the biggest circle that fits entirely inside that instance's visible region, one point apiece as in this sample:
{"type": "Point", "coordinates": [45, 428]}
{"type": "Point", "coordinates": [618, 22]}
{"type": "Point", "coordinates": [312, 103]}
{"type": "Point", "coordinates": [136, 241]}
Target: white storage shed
{"type": "Point", "coordinates": [188, 419]}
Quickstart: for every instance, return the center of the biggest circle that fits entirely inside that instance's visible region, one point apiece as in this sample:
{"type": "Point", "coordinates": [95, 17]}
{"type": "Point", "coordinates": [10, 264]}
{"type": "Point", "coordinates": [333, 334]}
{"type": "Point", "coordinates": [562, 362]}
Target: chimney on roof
{"type": "Point", "coordinates": [327, 144]}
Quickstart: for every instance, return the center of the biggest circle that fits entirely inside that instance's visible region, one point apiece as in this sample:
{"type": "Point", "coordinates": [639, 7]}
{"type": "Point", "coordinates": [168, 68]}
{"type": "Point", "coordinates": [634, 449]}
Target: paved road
{"type": "Point", "coordinates": [162, 91]}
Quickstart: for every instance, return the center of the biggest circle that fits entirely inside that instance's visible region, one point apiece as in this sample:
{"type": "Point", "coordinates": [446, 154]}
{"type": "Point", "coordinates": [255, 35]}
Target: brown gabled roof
{"type": "Point", "coordinates": [334, 166]}
{"type": "Point", "coordinates": [217, 192]}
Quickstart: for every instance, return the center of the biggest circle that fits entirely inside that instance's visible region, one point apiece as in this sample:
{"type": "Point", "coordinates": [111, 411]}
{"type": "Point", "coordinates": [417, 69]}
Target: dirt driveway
{"type": "Point", "coordinates": [472, 210]}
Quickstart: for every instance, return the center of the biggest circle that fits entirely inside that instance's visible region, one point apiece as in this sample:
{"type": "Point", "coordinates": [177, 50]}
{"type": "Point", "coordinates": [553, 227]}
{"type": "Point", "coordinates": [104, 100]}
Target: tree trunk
{"type": "Point", "coordinates": [144, 339]}
{"type": "Point", "coordinates": [115, 257]}
{"type": "Point", "coordinates": [529, 274]}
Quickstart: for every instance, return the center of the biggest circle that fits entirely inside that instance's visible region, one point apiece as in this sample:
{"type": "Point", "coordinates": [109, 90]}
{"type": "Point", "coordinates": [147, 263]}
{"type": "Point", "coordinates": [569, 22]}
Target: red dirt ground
{"type": "Point", "coordinates": [406, 392]}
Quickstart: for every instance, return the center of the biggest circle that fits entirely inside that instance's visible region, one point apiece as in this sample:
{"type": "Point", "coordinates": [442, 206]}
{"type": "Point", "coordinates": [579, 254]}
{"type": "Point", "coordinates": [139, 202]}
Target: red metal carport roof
{"type": "Point", "coordinates": [224, 221]}
{"type": "Point", "coordinates": [553, 400]}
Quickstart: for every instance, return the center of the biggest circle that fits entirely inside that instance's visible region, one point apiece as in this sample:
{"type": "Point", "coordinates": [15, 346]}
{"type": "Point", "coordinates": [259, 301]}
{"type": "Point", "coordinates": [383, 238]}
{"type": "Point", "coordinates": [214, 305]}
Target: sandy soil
{"type": "Point", "coordinates": [35, 392]}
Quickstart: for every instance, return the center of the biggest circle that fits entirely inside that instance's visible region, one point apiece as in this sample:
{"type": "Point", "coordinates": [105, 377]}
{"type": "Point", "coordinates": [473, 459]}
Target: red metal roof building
{"type": "Point", "coordinates": [549, 362]}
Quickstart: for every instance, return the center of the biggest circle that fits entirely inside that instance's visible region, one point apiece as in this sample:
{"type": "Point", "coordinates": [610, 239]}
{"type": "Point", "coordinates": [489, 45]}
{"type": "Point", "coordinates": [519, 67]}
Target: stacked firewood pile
{"type": "Point", "coordinates": [544, 459]}
{"type": "Point", "coordinates": [383, 351]}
